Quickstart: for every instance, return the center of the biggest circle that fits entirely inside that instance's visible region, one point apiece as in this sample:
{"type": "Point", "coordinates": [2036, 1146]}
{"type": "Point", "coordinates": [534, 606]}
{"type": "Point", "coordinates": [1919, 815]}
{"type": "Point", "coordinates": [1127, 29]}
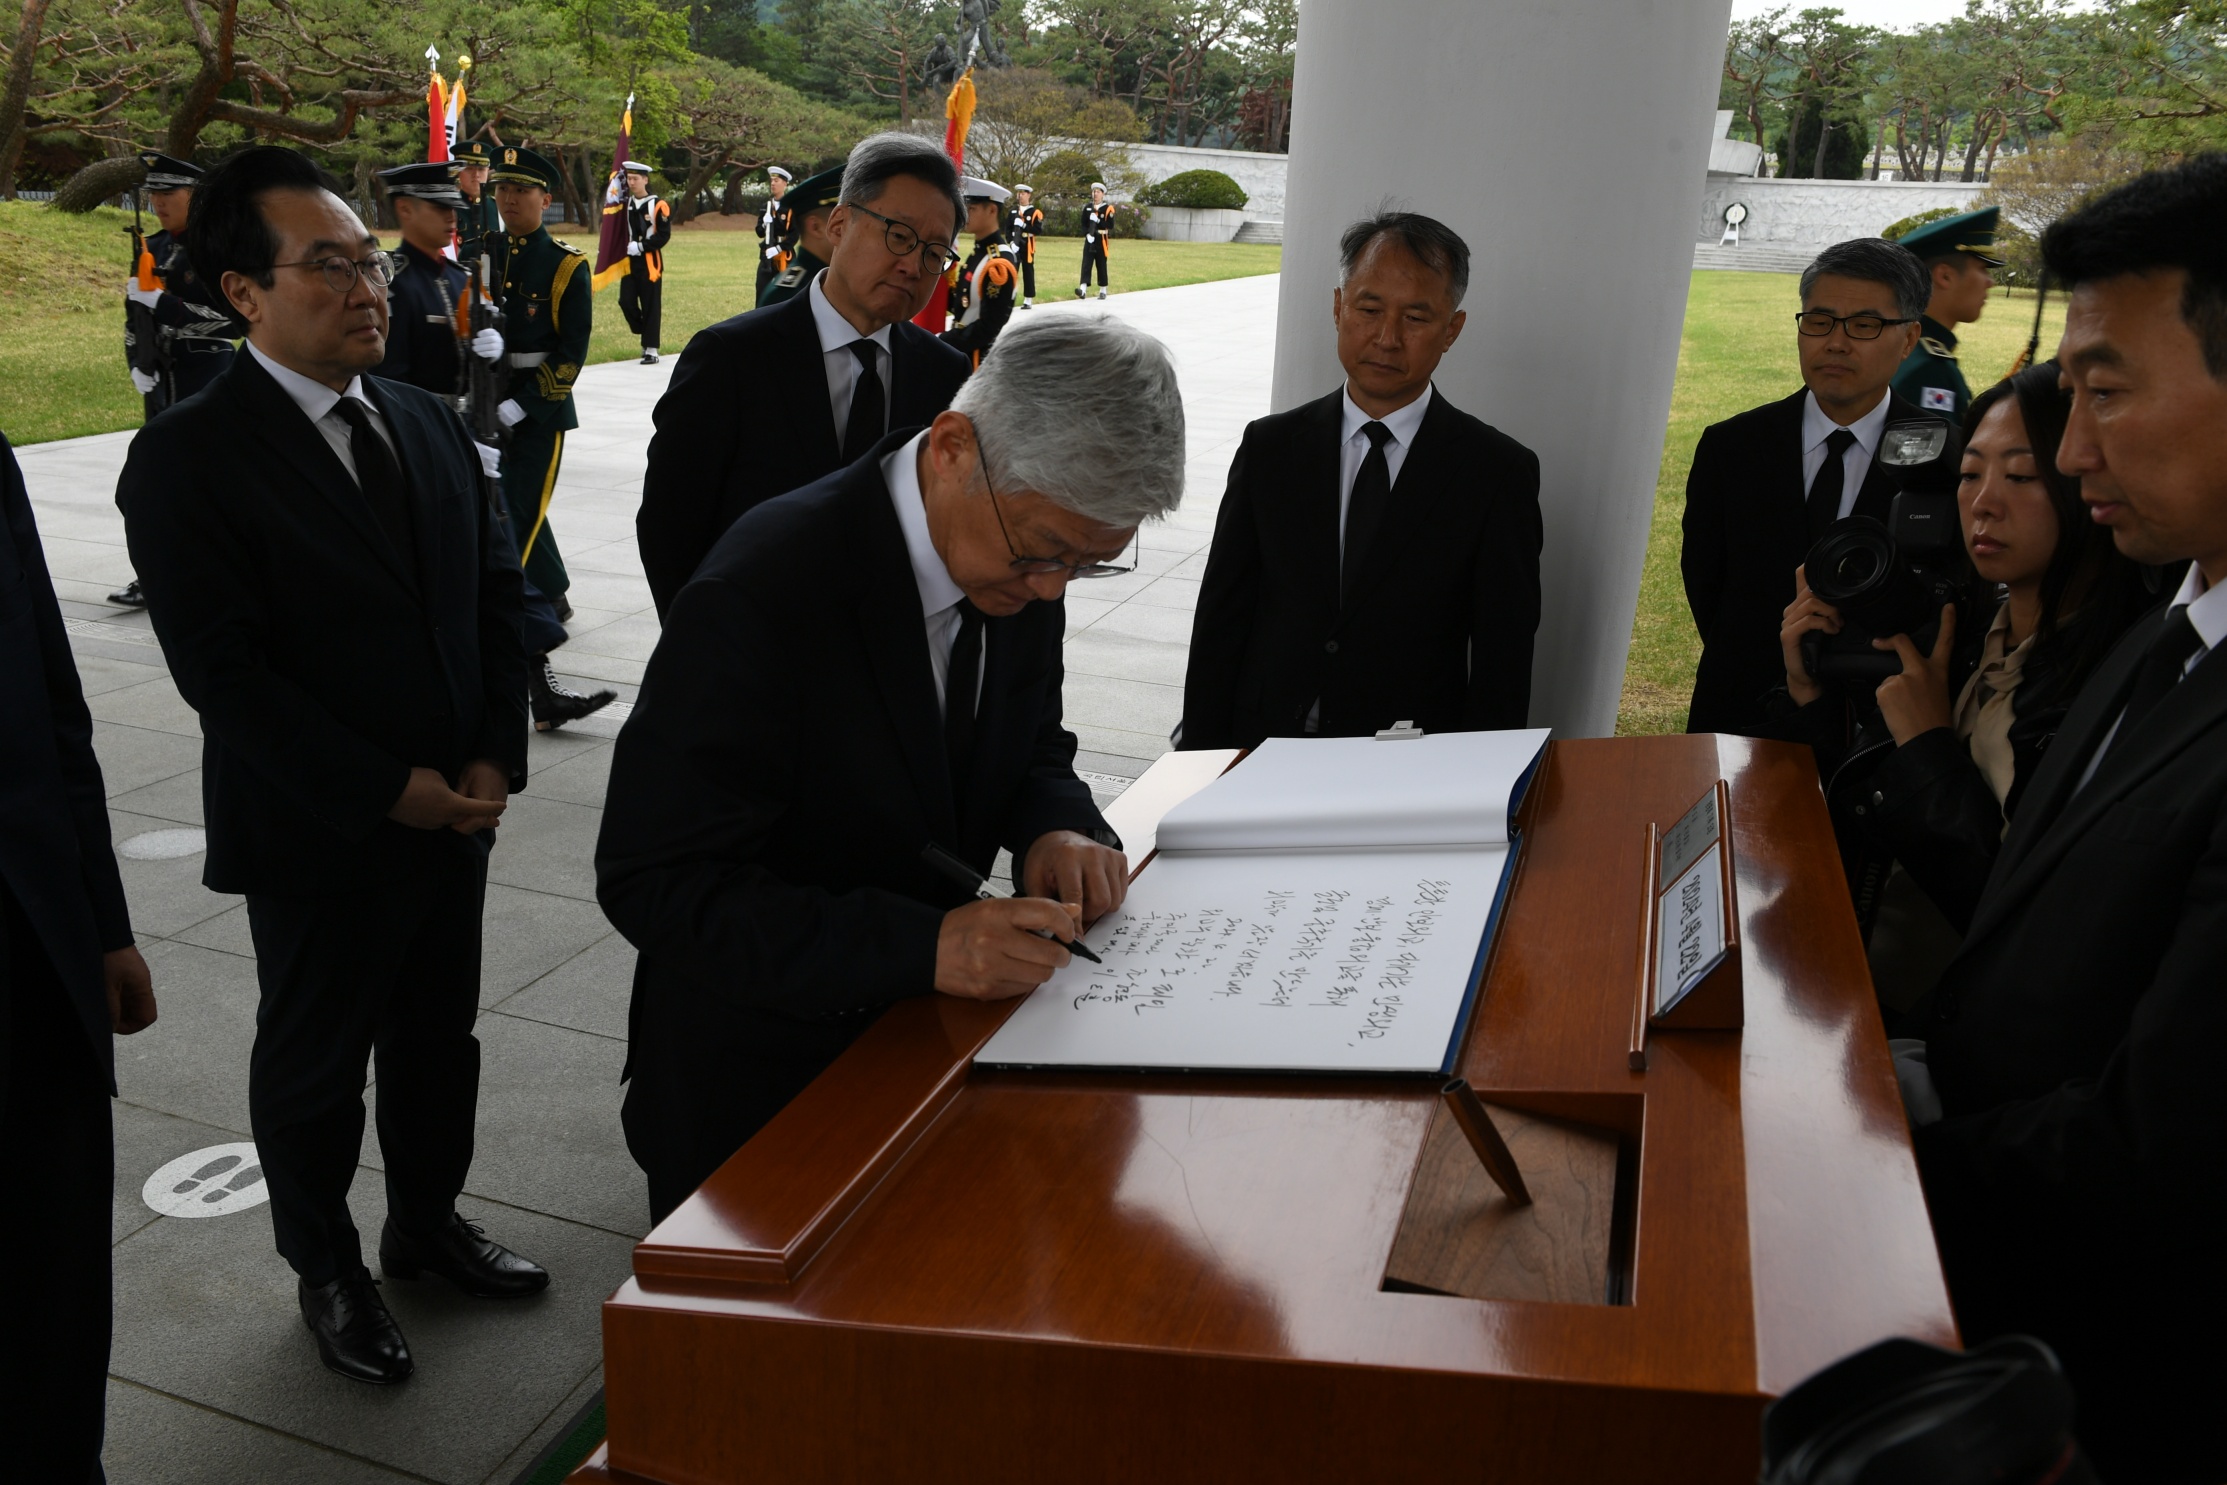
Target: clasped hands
{"type": "Point", "coordinates": [1913, 702]}
{"type": "Point", "coordinates": [994, 950]}
{"type": "Point", "coordinates": [475, 804]}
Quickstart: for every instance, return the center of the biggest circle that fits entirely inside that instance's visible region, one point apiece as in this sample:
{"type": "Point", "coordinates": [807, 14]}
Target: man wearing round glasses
{"type": "Point", "coordinates": [861, 670]}
{"type": "Point", "coordinates": [831, 369]}
{"type": "Point", "coordinates": [355, 768]}
{"type": "Point", "coordinates": [1765, 484]}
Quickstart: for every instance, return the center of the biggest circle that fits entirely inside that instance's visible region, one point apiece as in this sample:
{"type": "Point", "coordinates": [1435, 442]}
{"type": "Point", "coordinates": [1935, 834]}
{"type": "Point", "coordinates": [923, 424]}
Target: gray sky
{"type": "Point", "coordinates": [1895, 15]}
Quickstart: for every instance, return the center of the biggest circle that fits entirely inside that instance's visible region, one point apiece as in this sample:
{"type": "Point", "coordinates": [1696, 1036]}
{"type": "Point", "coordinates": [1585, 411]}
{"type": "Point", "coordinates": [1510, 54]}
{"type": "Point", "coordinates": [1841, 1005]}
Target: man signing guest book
{"type": "Point", "coordinates": [1376, 558]}
{"type": "Point", "coordinates": [862, 679]}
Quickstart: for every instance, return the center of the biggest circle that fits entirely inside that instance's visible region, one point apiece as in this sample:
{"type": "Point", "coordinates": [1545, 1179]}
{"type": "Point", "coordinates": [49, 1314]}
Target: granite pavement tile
{"type": "Point", "coordinates": [159, 1440]}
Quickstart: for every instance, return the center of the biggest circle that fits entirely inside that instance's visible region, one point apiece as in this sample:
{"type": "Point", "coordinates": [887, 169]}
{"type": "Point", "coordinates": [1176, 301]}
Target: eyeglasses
{"type": "Point", "coordinates": [1038, 566]}
{"type": "Point", "coordinates": [341, 273]}
{"type": "Point", "coordinates": [1817, 324]}
{"type": "Point", "coordinates": [904, 242]}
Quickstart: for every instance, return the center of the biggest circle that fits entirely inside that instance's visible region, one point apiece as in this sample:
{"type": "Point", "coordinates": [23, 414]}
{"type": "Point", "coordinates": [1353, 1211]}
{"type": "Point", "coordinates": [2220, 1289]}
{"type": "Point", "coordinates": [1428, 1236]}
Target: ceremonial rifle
{"type": "Point", "coordinates": [485, 382]}
{"type": "Point", "coordinates": [144, 348]}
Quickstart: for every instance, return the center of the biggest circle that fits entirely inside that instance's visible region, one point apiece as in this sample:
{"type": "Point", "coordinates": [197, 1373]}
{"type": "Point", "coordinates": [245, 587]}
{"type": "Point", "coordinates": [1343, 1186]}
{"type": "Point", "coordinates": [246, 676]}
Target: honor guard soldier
{"type": "Point", "coordinates": [1097, 237]}
{"type": "Point", "coordinates": [477, 222]}
{"type": "Point", "coordinates": [178, 332]}
{"type": "Point", "coordinates": [1960, 254]}
{"type": "Point", "coordinates": [649, 226]}
{"type": "Point", "coordinates": [426, 340]}
{"type": "Point", "coordinates": [773, 230]}
{"type": "Point", "coordinates": [548, 300]}
{"type": "Point", "coordinates": [1028, 220]}
{"type": "Point", "coordinates": [983, 301]}
{"type": "Point", "coordinates": [810, 203]}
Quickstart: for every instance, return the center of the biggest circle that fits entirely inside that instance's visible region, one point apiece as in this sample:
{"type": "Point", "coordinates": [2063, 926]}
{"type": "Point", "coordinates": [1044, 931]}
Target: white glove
{"type": "Point", "coordinates": [634, 250]}
{"type": "Point", "coordinates": [490, 459]}
{"type": "Point", "coordinates": [137, 295]}
{"type": "Point", "coordinates": [488, 344]}
{"type": "Point", "coordinates": [773, 250]}
{"type": "Point", "coordinates": [510, 414]}
{"type": "Point", "coordinates": [145, 381]}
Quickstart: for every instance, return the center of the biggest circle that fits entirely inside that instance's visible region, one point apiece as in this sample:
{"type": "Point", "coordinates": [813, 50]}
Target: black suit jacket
{"type": "Point", "coordinates": [1439, 626]}
{"type": "Point", "coordinates": [2079, 1175]}
{"type": "Point", "coordinates": [1746, 529]}
{"type": "Point", "coordinates": [54, 850]}
{"type": "Point", "coordinates": [769, 800]}
{"type": "Point", "coordinates": [324, 663]}
{"type": "Point", "coordinates": [747, 418]}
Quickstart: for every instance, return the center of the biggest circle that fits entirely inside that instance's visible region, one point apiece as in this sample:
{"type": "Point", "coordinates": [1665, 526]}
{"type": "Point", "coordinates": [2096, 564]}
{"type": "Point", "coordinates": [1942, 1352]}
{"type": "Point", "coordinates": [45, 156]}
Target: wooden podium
{"type": "Point", "coordinates": [921, 1272]}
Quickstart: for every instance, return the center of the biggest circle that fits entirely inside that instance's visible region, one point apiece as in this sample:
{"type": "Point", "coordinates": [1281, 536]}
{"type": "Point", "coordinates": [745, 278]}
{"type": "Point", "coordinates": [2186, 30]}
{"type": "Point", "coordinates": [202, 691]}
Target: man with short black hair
{"type": "Point", "coordinates": [2071, 1116]}
{"type": "Point", "coordinates": [830, 370]}
{"type": "Point", "coordinates": [353, 771]}
{"type": "Point", "coordinates": [1376, 556]}
{"type": "Point", "coordinates": [1765, 484]}
{"type": "Point", "coordinates": [425, 343]}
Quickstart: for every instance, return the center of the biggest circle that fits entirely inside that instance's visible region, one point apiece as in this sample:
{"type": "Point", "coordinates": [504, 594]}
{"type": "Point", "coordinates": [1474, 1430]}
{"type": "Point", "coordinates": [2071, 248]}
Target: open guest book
{"type": "Point", "coordinates": [1325, 906]}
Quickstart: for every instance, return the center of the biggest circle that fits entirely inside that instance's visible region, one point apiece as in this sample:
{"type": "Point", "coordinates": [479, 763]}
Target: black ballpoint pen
{"type": "Point", "coordinates": [966, 876]}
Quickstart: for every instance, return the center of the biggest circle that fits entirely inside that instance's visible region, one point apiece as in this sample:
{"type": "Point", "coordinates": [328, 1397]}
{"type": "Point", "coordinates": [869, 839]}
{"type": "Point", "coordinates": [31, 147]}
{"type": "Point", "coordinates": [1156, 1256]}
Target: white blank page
{"type": "Point", "coordinates": [1450, 788]}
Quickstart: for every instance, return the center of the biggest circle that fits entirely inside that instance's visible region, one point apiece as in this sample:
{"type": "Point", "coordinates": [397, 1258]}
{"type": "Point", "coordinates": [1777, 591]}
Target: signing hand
{"type": "Point", "coordinates": [131, 991]}
{"type": "Point", "coordinates": [1070, 867]}
{"type": "Point", "coordinates": [1805, 613]}
{"type": "Point", "coordinates": [428, 803]}
{"type": "Point", "coordinates": [992, 950]}
{"type": "Point", "coordinates": [1918, 699]}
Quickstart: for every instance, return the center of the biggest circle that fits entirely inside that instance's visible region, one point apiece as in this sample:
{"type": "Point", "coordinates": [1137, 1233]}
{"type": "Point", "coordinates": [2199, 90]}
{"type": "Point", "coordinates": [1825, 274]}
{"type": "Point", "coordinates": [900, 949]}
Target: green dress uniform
{"type": "Point", "coordinates": [478, 223]}
{"type": "Point", "coordinates": [548, 301]}
{"type": "Point", "coordinates": [799, 268]}
{"type": "Point", "coordinates": [1929, 376]}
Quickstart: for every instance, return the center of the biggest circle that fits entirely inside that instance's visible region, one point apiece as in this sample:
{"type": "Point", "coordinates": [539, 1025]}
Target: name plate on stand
{"type": "Point", "coordinates": [1689, 958]}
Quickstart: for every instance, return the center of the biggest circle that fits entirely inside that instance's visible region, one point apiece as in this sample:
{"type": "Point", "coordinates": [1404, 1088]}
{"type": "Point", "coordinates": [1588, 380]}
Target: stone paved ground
{"type": "Point", "coordinates": [213, 1377]}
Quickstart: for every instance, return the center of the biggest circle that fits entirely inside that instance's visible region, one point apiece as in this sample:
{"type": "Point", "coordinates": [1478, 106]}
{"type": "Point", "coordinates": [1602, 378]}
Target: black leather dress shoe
{"type": "Point", "coordinates": [555, 703]}
{"type": "Point", "coordinates": [356, 1337]}
{"type": "Point", "coordinates": [129, 596]}
{"type": "Point", "coordinates": [461, 1254]}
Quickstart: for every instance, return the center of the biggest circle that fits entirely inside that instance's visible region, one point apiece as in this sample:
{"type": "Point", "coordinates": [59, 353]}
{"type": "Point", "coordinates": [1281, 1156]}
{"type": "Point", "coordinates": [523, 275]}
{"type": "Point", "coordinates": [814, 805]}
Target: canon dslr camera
{"type": "Point", "coordinates": [1891, 579]}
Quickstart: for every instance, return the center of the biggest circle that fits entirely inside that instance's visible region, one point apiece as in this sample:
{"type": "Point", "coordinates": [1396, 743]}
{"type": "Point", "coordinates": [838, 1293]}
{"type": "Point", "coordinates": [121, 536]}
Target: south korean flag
{"type": "Point", "coordinates": [1937, 399]}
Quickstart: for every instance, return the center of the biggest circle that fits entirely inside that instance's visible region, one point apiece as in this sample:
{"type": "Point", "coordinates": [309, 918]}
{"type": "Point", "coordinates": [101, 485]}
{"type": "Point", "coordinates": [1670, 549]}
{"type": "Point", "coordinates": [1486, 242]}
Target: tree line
{"type": "Point", "coordinates": [722, 88]}
{"type": "Point", "coordinates": [1943, 102]}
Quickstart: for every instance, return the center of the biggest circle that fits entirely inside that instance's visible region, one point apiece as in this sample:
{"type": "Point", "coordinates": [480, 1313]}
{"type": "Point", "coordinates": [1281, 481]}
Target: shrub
{"type": "Point", "coordinates": [1208, 190]}
{"type": "Point", "coordinates": [1896, 231]}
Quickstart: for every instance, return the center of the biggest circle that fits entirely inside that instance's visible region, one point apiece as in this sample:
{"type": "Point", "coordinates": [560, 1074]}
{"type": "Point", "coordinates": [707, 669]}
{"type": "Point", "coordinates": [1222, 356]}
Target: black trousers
{"type": "Point", "coordinates": [388, 974]}
{"type": "Point", "coordinates": [641, 300]}
{"type": "Point", "coordinates": [53, 1113]}
{"type": "Point", "coordinates": [1094, 252]}
{"type": "Point", "coordinates": [1028, 268]}
{"type": "Point", "coordinates": [766, 271]}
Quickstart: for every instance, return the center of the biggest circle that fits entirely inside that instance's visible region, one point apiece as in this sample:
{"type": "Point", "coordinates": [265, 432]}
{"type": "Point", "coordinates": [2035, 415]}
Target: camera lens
{"type": "Point", "coordinates": [1856, 568]}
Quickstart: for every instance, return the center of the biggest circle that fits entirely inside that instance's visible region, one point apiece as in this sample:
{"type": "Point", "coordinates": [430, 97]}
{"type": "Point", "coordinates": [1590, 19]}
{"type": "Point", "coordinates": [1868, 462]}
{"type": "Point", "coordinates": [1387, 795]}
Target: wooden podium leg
{"type": "Point", "coordinates": [1492, 1150]}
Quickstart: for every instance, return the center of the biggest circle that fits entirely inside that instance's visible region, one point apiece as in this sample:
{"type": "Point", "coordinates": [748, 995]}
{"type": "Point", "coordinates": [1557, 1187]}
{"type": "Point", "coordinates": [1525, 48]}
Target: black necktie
{"type": "Point", "coordinates": [378, 475]}
{"type": "Point", "coordinates": [960, 682]}
{"type": "Point", "coordinates": [867, 415]}
{"type": "Point", "coordinates": [2162, 668]}
{"type": "Point", "coordinates": [1831, 482]}
{"type": "Point", "coordinates": [1364, 512]}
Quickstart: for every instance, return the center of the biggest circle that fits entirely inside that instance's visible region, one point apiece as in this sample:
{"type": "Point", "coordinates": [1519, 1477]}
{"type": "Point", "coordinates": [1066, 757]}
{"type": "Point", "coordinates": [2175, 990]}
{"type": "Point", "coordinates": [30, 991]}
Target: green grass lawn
{"type": "Point", "coordinates": [1738, 351]}
{"type": "Point", "coordinates": [62, 320]}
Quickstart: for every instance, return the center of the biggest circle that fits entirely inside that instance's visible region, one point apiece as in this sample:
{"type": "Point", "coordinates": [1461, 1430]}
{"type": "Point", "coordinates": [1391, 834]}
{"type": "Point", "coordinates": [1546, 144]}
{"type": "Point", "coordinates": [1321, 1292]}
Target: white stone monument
{"type": "Point", "coordinates": [1566, 140]}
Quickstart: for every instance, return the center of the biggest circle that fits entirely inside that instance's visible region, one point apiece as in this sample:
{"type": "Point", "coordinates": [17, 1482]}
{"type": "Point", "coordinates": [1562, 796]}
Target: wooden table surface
{"type": "Point", "coordinates": [924, 1272]}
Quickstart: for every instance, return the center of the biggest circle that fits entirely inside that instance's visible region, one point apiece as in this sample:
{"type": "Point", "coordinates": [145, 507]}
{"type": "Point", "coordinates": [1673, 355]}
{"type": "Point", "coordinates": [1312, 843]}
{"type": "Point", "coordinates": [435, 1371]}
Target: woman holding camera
{"type": "Point", "coordinates": [1923, 778]}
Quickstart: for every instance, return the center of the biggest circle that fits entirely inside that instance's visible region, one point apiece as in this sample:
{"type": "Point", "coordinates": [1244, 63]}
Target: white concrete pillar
{"type": "Point", "coordinates": [1566, 141]}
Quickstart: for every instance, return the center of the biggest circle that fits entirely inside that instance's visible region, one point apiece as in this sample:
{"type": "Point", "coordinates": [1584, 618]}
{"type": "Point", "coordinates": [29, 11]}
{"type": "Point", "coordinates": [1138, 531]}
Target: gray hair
{"type": "Point", "coordinates": [1878, 261]}
{"type": "Point", "coordinates": [1084, 411]}
{"type": "Point", "coordinates": [1429, 241]}
{"type": "Point", "coordinates": [878, 159]}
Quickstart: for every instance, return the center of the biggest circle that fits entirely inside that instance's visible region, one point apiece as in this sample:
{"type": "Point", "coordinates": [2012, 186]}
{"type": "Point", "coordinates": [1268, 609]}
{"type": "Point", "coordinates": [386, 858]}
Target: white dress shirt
{"type": "Point", "coordinates": [1353, 448]}
{"type": "Point", "coordinates": [317, 401]}
{"type": "Point", "coordinates": [841, 362]}
{"type": "Point", "coordinates": [2207, 615]}
{"type": "Point", "coordinates": [1856, 463]}
{"type": "Point", "coordinates": [939, 596]}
